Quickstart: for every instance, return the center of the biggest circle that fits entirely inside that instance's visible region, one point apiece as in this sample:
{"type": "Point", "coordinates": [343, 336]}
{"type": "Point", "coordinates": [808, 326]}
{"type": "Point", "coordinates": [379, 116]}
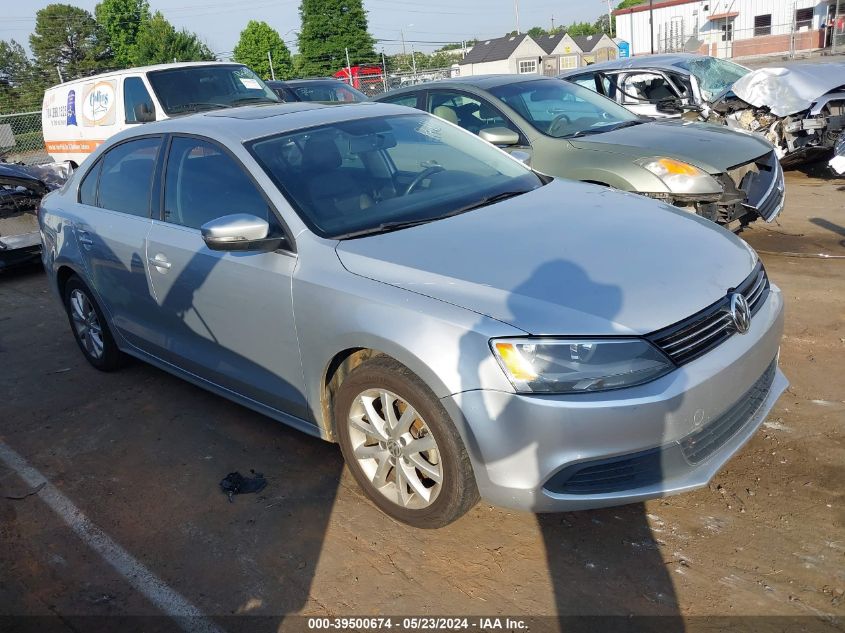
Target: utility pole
{"type": "Point", "coordinates": [59, 70]}
{"type": "Point", "coordinates": [383, 70]}
{"type": "Point", "coordinates": [609, 20]}
{"type": "Point", "coordinates": [414, 62]}
{"type": "Point", "coordinates": [651, 23]}
{"type": "Point", "coordinates": [516, 9]}
{"type": "Point", "coordinates": [272, 72]}
{"type": "Point", "coordinates": [402, 33]}
{"type": "Point", "coordinates": [348, 67]}
{"type": "Point", "coordinates": [553, 22]}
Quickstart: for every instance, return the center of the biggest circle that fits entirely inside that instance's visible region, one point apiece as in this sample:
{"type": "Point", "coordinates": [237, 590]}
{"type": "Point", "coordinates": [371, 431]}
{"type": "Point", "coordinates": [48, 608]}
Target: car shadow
{"type": "Point", "coordinates": [591, 555]}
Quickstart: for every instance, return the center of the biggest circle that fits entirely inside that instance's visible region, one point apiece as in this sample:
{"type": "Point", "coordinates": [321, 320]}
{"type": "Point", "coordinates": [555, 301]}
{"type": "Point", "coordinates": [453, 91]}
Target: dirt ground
{"type": "Point", "coordinates": [139, 453]}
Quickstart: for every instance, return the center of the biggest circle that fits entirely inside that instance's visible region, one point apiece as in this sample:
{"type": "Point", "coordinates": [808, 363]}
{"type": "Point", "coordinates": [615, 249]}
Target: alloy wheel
{"type": "Point", "coordinates": [395, 449]}
{"type": "Point", "coordinates": [86, 323]}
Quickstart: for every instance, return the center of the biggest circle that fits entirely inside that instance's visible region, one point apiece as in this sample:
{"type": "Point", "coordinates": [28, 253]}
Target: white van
{"type": "Point", "coordinates": [79, 115]}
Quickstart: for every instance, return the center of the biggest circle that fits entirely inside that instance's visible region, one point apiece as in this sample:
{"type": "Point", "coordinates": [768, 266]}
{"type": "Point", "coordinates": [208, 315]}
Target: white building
{"type": "Point", "coordinates": [725, 28]}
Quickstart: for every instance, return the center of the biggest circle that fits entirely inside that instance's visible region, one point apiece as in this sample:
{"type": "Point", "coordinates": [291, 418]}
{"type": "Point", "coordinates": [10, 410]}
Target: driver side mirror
{"type": "Point", "coordinates": [239, 232]}
{"type": "Point", "coordinates": [501, 136]}
{"type": "Point", "coordinates": [144, 113]}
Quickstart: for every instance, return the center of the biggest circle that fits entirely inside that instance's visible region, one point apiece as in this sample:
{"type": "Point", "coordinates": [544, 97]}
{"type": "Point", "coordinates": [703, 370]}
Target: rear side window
{"type": "Point", "coordinates": [88, 188]}
{"type": "Point", "coordinates": [137, 102]}
{"type": "Point", "coordinates": [126, 177]}
{"type": "Point", "coordinates": [203, 183]}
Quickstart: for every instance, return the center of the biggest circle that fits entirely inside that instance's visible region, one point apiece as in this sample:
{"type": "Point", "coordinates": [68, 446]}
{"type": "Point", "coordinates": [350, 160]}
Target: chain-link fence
{"type": "Point", "coordinates": [21, 139]}
{"type": "Point", "coordinates": [728, 42]}
{"type": "Point", "coordinates": [375, 82]}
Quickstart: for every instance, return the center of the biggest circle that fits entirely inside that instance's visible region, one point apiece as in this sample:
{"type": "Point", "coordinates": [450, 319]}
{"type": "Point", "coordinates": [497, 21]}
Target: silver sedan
{"type": "Point", "coordinates": [459, 324]}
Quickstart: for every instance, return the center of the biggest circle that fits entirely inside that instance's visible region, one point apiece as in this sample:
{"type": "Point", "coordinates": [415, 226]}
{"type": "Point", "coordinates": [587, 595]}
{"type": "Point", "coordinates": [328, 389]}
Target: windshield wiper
{"type": "Point", "coordinates": [387, 227]}
{"type": "Point", "coordinates": [603, 129]}
{"type": "Point", "coordinates": [197, 107]}
{"type": "Point", "coordinates": [254, 99]}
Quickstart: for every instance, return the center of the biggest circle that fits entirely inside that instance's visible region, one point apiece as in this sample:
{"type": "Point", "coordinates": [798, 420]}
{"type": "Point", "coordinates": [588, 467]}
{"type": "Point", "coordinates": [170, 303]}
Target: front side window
{"type": "Point", "coordinates": [126, 176]}
{"type": "Point", "coordinates": [470, 112]}
{"type": "Point", "coordinates": [208, 87]}
{"type": "Point", "coordinates": [366, 175]}
{"type": "Point", "coordinates": [203, 183]}
{"type": "Point", "coordinates": [137, 103]}
{"type": "Point", "coordinates": [562, 109]}
{"type": "Point", "coordinates": [645, 88]}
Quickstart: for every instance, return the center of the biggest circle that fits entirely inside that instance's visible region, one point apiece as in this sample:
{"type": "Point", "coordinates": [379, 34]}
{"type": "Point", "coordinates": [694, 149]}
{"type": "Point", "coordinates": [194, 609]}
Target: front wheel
{"type": "Point", "coordinates": [401, 446]}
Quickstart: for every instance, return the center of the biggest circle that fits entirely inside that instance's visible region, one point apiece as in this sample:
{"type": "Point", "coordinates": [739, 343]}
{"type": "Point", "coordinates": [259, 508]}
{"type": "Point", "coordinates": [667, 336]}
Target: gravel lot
{"type": "Point", "coordinates": [140, 454]}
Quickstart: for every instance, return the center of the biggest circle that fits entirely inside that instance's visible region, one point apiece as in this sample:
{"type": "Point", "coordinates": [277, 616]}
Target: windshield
{"type": "Point", "coordinates": [196, 88]}
{"type": "Point", "coordinates": [562, 109]}
{"type": "Point", "coordinates": [714, 76]}
{"type": "Point", "coordinates": [377, 174]}
{"type": "Point", "coordinates": [327, 91]}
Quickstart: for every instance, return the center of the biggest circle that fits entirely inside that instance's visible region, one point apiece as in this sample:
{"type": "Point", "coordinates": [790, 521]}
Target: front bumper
{"type": "Point", "coordinates": [17, 249]}
{"type": "Point", "coordinates": [523, 446]}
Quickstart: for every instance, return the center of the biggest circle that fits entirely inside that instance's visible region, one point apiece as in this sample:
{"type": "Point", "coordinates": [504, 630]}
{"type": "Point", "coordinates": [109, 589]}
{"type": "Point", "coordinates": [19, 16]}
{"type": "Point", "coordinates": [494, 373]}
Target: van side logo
{"type": "Point", "coordinates": [98, 106]}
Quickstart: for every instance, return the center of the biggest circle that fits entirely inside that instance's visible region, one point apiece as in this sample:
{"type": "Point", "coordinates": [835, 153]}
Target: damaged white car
{"type": "Point", "coordinates": [799, 108]}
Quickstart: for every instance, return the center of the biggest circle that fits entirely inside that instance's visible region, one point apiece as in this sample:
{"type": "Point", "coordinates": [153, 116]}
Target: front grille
{"type": "Point", "coordinates": [688, 339]}
{"type": "Point", "coordinates": [700, 445]}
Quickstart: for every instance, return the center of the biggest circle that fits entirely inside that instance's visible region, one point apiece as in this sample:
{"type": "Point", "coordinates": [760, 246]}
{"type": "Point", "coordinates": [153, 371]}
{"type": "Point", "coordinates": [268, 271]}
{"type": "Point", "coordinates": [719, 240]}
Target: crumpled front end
{"type": "Point", "coordinates": [799, 110]}
{"type": "Point", "coordinates": [21, 190]}
{"type": "Point", "coordinates": [751, 190]}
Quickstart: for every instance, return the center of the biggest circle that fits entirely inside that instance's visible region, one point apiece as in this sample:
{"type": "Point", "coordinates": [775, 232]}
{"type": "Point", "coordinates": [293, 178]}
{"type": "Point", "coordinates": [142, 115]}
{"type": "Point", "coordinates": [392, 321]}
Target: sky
{"type": "Point", "coordinates": [425, 23]}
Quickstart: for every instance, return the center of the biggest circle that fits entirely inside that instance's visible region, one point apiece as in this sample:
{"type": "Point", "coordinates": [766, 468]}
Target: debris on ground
{"type": "Point", "coordinates": [236, 484]}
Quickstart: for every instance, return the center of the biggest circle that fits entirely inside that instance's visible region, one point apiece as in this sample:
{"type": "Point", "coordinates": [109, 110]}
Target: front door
{"type": "Point", "coordinates": [224, 316]}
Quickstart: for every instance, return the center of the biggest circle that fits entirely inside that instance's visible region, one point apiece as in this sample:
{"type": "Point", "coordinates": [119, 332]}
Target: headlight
{"type": "Point", "coordinates": [682, 178]}
{"type": "Point", "coordinates": [544, 365]}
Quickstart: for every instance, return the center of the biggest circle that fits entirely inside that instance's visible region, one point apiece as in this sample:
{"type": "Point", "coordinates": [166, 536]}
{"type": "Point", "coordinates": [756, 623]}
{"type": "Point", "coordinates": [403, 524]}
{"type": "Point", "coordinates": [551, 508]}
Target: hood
{"type": "Point", "coordinates": [565, 259]}
{"type": "Point", "coordinates": [713, 148]}
{"type": "Point", "coordinates": [792, 89]}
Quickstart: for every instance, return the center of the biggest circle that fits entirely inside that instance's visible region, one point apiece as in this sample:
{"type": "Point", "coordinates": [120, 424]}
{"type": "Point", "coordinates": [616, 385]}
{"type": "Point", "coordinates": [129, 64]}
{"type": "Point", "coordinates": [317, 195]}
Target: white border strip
{"type": "Point", "coordinates": [187, 616]}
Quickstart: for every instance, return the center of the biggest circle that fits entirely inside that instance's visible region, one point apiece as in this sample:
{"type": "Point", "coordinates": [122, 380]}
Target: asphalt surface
{"type": "Point", "coordinates": [130, 521]}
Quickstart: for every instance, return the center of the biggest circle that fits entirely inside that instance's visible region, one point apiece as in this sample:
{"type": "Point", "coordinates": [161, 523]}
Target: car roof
{"type": "Point", "coordinates": [666, 61]}
{"type": "Point", "coordinates": [236, 125]}
{"type": "Point", "coordinates": [481, 82]}
{"type": "Point", "coordinates": [142, 69]}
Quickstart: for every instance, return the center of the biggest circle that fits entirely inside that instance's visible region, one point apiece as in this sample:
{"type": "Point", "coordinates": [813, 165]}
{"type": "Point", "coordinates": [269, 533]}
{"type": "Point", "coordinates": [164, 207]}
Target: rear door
{"type": "Point", "coordinates": [224, 316]}
{"type": "Point", "coordinates": [114, 219]}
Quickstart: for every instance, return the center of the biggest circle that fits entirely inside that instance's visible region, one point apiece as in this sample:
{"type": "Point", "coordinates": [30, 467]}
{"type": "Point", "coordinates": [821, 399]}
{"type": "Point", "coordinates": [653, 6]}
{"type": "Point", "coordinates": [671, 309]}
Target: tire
{"type": "Point", "coordinates": [375, 456]}
{"type": "Point", "coordinates": [90, 328]}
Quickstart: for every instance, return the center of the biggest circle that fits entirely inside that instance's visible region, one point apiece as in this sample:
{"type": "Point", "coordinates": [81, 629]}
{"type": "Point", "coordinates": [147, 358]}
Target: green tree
{"type": "Point", "coordinates": [120, 21]}
{"type": "Point", "coordinates": [19, 88]}
{"type": "Point", "coordinates": [256, 40]}
{"type": "Point", "coordinates": [158, 42]}
{"type": "Point", "coordinates": [329, 27]}
{"type": "Point", "coordinates": [67, 38]}
{"type": "Point", "coordinates": [582, 28]}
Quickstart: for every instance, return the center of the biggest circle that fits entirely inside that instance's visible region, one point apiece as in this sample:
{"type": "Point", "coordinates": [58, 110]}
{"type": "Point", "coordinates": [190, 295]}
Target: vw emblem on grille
{"type": "Point", "coordinates": [740, 313]}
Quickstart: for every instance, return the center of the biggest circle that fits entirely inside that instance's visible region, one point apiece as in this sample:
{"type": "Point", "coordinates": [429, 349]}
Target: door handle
{"type": "Point", "coordinates": [159, 261]}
